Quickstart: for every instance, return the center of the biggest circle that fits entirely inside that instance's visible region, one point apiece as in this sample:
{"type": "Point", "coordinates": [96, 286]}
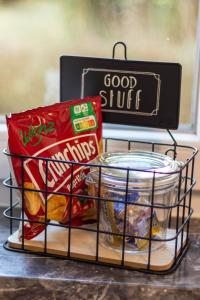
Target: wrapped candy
{"type": "Point", "coordinates": [137, 220]}
{"type": "Point", "coordinates": [129, 182]}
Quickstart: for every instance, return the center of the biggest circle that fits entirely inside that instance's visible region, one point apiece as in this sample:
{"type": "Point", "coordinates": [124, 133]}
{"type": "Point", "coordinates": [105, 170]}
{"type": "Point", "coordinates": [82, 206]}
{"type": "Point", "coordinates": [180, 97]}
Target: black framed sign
{"type": "Point", "coordinates": [133, 92]}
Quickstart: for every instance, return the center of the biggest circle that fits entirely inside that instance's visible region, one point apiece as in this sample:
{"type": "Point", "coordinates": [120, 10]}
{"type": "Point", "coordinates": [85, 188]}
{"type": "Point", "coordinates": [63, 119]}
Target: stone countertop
{"type": "Point", "coordinates": [26, 275]}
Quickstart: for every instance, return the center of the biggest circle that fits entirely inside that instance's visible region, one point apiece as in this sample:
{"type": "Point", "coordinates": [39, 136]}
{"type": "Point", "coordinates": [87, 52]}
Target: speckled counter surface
{"type": "Point", "coordinates": [25, 276]}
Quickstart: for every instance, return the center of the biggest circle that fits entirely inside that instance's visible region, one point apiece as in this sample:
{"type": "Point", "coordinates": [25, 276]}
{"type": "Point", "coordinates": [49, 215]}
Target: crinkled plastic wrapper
{"type": "Point", "coordinates": [112, 217]}
{"type": "Point", "coordinates": [68, 131]}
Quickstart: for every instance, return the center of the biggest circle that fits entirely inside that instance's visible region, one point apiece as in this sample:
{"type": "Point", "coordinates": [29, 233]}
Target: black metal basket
{"type": "Point", "coordinates": [180, 211]}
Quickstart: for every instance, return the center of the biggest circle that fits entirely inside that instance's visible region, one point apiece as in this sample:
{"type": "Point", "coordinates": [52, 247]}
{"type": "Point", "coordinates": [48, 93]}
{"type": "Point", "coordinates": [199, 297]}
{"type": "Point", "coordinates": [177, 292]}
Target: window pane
{"type": "Point", "coordinates": [33, 34]}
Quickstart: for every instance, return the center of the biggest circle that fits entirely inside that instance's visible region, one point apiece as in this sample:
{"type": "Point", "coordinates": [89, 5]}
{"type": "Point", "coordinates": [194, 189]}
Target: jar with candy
{"type": "Point", "coordinates": [135, 190]}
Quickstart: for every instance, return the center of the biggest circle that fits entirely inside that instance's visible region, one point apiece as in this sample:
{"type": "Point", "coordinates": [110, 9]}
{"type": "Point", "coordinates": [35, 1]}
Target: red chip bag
{"type": "Point", "coordinates": [68, 131]}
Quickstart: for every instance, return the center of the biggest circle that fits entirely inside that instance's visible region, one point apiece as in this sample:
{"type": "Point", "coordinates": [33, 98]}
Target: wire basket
{"type": "Point", "coordinates": [83, 243]}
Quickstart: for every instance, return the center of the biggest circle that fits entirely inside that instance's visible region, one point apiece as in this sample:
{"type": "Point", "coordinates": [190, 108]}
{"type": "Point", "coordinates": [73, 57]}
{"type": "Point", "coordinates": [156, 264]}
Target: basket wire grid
{"type": "Point", "coordinates": [181, 209]}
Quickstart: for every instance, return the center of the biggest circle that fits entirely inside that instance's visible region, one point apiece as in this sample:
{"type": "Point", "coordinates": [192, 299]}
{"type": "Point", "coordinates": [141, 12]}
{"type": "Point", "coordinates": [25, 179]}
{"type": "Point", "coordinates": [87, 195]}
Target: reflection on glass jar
{"type": "Point", "coordinates": [152, 180]}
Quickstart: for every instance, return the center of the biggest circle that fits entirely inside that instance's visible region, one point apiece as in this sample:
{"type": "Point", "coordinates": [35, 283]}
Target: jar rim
{"type": "Point", "coordinates": [142, 169]}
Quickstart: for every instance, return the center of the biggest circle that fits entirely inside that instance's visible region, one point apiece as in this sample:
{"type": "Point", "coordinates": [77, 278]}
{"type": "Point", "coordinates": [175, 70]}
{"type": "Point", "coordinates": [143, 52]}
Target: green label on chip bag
{"type": "Point", "coordinates": [83, 117]}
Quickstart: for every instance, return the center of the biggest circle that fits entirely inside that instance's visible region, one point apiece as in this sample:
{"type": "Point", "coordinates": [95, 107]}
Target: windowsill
{"type": "Point", "coordinates": [125, 133]}
{"type": "Point", "coordinates": [131, 133]}
{"type": "Point", "coordinates": [150, 134]}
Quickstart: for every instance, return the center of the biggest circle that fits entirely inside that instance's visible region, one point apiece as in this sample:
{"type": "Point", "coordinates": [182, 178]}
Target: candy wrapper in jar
{"type": "Point", "coordinates": [68, 131]}
{"type": "Point", "coordinates": [137, 218]}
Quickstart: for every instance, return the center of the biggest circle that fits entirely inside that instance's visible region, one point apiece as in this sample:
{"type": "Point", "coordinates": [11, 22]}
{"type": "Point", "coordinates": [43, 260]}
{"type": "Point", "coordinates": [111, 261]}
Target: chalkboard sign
{"type": "Point", "coordinates": [133, 92]}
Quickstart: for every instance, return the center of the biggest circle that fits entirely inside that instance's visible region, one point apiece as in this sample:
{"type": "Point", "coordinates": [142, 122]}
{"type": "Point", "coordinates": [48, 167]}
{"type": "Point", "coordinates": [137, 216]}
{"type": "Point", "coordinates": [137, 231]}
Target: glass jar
{"type": "Point", "coordinates": [130, 183]}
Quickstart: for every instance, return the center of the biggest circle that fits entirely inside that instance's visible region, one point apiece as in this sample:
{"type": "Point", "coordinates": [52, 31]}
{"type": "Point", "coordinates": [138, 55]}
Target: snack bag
{"type": "Point", "coordinates": [68, 131]}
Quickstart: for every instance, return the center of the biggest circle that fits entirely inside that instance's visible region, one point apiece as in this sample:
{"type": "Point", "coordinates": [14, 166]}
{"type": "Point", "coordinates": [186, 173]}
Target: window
{"type": "Point", "coordinates": [35, 33]}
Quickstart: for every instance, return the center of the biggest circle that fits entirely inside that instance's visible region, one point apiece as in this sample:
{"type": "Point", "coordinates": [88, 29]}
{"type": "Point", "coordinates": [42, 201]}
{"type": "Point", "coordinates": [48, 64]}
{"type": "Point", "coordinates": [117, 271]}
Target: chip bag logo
{"type": "Point", "coordinates": [35, 132]}
{"type": "Point", "coordinates": [77, 149]}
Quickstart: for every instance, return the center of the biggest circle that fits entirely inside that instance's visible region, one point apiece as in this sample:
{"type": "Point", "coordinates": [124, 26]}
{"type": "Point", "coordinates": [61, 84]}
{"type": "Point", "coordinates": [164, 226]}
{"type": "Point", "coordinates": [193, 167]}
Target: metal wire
{"type": "Point", "coordinates": [151, 223]}
{"type": "Point", "coordinates": [125, 49]}
{"type": "Point", "coordinates": [11, 207]}
{"type": "Point", "coordinates": [70, 211]}
{"type": "Point", "coordinates": [180, 205]}
{"type": "Point", "coordinates": [125, 219]}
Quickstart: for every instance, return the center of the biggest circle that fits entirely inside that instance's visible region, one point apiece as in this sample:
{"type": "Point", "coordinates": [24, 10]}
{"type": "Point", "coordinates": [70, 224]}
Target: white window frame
{"type": "Point", "coordinates": [183, 136]}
